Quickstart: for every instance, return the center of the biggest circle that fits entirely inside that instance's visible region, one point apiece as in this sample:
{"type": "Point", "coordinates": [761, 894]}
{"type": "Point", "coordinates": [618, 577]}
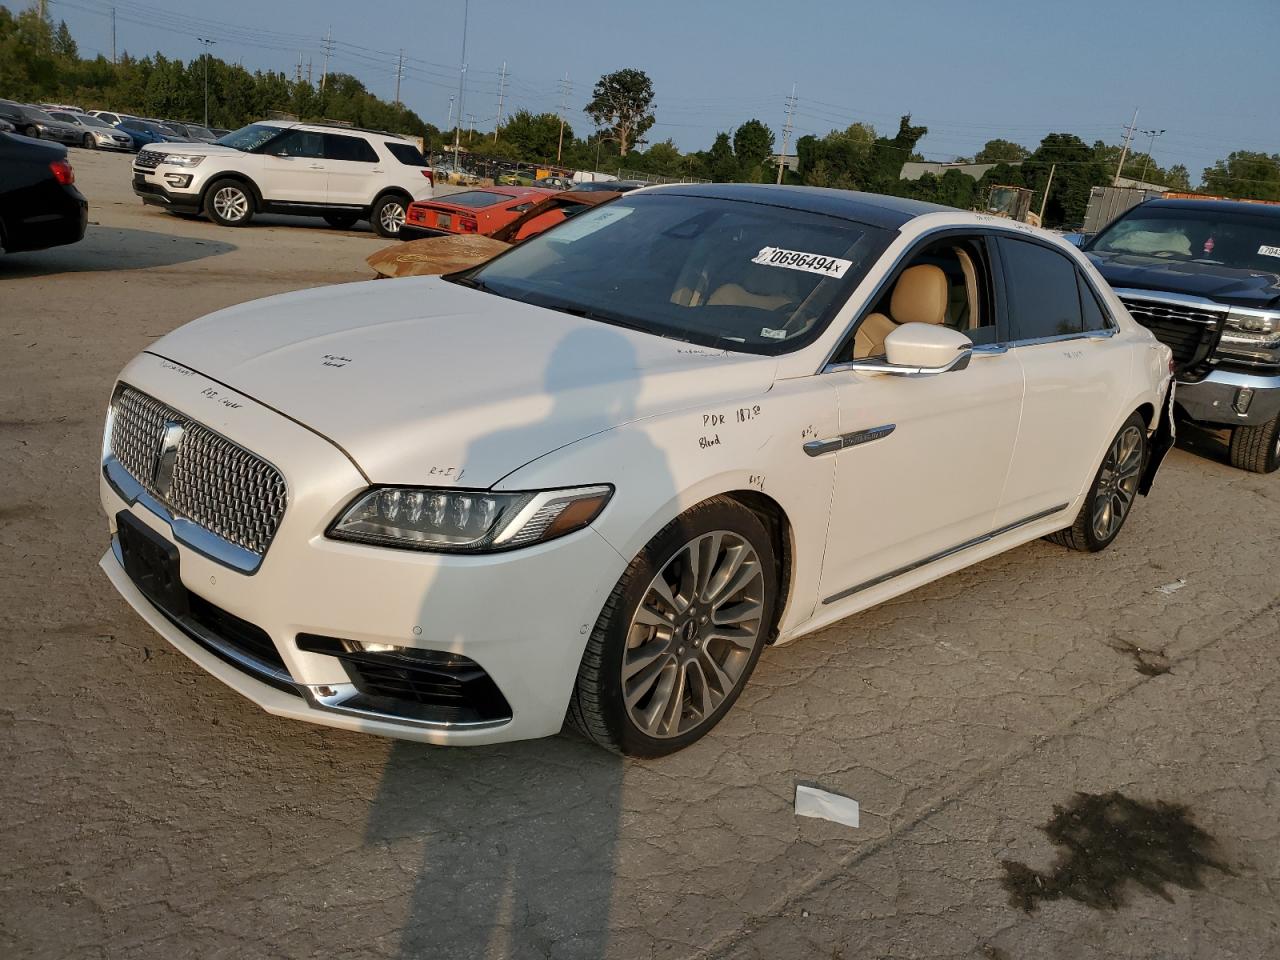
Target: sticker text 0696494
{"type": "Point", "coordinates": [799, 260]}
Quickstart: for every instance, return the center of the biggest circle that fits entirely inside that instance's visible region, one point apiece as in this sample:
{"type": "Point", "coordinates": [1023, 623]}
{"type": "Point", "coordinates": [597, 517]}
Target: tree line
{"type": "Point", "coordinates": [40, 62]}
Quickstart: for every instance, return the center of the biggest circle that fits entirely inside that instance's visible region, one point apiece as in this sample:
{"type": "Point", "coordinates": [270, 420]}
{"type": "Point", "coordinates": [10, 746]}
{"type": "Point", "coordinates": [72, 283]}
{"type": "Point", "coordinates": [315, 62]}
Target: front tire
{"type": "Point", "coordinates": [680, 634]}
{"type": "Point", "coordinates": [1110, 498]}
{"type": "Point", "coordinates": [88, 142]}
{"type": "Point", "coordinates": [387, 216]}
{"type": "Point", "coordinates": [1257, 448]}
{"type": "Point", "coordinates": [229, 203]}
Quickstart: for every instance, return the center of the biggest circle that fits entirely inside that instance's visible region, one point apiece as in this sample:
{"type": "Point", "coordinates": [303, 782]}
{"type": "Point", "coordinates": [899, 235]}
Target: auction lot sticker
{"type": "Point", "coordinates": [1267, 251]}
{"type": "Point", "coordinates": [799, 260]}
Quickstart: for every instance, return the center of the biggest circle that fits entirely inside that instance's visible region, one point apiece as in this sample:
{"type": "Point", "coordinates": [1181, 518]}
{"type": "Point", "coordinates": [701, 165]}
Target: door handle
{"type": "Point", "coordinates": [816, 448]}
{"type": "Point", "coordinates": [315, 166]}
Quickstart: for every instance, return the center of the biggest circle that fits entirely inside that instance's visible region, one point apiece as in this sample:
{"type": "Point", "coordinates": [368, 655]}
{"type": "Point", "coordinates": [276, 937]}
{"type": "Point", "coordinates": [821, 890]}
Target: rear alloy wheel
{"type": "Point", "coordinates": [1110, 499]}
{"type": "Point", "coordinates": [680, 634]}
{"type": "Point", "coordinates": [388, 216]}
{"type": "Point", "coordinates": [88, 142]}
{"type": "Point", "coordinates": [229, 203]}
{"type": "Point", "coordinates": [1257, 448]}
{"type": "Point", "coordinates": [341, 221]}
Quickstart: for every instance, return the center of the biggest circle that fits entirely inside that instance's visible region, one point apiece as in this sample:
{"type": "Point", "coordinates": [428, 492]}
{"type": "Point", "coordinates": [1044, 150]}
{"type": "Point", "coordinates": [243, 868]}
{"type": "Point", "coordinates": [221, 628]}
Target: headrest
{"type": "Point", "coordinates": [920, 295]}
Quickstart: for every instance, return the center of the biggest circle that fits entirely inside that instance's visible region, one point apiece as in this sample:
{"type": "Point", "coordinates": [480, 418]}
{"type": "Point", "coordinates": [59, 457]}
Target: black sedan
{"type": "Point", "coordinates": [39, 204]}
{"type": "Point", "coordinates": [34, 122]}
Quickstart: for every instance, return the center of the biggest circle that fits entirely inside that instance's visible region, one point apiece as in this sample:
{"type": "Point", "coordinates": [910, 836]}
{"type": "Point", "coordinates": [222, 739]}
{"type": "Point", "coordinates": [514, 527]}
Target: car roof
{"type": "Point", "coordinates": [1216, 206]}
{"type": "Point", "coordinates": [874, 209]}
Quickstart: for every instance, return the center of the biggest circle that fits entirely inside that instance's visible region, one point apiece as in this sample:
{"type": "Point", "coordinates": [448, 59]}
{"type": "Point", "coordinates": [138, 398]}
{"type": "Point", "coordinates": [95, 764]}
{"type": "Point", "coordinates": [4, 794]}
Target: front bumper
{"type": "Point", "coordinates": [1220, 397]}
{"type": "Point", "coordinates": [154, 192]}
{"type": "Point", "coordinates": [522, 617]}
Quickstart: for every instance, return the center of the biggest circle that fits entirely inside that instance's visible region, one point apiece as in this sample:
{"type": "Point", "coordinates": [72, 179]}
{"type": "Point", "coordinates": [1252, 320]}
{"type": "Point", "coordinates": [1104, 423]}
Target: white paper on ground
{"type": "Point", "coordinates": [1174, 587]}
{"type": "Point", "coordinates": [812, 802]}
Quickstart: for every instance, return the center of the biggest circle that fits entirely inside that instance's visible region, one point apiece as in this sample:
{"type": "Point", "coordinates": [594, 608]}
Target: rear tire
{"type": "Point", "coordinates": [680, 634]}
{"type": "Point", "coordinates": [229, 203]}
{"type": "Point", "coordinates": [1110, 499]}
{"type": "Point", "coordinates": [1257, 448]}
{"type": "Point", "coordinates": [387, 216]}
{"type": "Point", "coordinates": [88, 142]}
{"type": "Point", "coordinates": [341, 221]}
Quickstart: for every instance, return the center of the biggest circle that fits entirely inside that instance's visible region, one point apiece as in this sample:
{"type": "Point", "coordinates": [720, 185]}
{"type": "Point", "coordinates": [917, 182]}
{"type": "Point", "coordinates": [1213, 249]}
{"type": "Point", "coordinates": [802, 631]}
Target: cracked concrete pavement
{"type": "Point", "coordinates": [151, 812]}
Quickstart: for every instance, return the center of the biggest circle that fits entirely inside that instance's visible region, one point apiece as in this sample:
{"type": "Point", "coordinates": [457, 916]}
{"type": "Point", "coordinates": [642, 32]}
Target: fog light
{"type": "Point", "coordinates": [1244, 397]}
{"type": "Point", "coordinates": [178, 179]}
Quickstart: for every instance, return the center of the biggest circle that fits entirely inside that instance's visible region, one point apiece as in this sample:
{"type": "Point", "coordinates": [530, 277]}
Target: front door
{"type": "Point", "coordinates": [293, 169]}
{"type": "Point", "coordinates": [923, 461]}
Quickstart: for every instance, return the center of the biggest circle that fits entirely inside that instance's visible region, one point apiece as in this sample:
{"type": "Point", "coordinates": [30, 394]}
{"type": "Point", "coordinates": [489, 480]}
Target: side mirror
{"type": "Point", "coordinates": [923, 349]}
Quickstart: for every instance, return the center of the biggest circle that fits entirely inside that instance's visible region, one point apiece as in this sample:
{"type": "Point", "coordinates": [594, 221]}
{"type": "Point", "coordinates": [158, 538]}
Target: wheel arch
{"type": "Point", "coordinates": [391, 191]}
{"type": "Point", "coordinates": [774, 517]}
{"type": "Point", "coordinates": [239, 178]}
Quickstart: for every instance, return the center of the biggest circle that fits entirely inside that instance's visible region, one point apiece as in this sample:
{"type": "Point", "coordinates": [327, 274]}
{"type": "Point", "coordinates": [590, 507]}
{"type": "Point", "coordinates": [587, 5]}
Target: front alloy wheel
{"type": "Point", "coordinates": [691, 639]}
{"type": "Point", "coordinates": [228, 203]}
{"type": "Point", "coordinates": [680, 633]}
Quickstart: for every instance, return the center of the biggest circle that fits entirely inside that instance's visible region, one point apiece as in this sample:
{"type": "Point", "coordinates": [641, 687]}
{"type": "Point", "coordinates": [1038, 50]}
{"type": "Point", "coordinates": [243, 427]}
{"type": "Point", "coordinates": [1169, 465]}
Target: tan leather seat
{"type": "Point", "coordinates": [735, 295]}
{"type": "Point", "coordinates": [920, 296]}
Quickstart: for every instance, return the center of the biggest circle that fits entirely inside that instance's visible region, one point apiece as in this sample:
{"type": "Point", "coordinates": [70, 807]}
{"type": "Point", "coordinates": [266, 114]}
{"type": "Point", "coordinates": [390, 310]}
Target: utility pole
{"type": "Point", "coordinates": [462, 76]}
{"type": "Point", "coordinates": [1045, 199]}
{"type": "Point", "coordinates": [564, 105]}
{"type": "Point", "coordinates": [328, 48]}
{"type": "Point", "coordinates": [207, 45]}
{"type": "Point", "coordinates": [502, 84]}
{"type": "Point", "coordinates": [297, 75]}
{"type": "Point", "coordinates": [786, 133]}
{"type": "Point", "coordinates": [113, 34]}
{"type": "Point", "coordinates": [308, 71]}
{"type": "Point", "coordinates": [1150, 146]}
{"type": "Point", "coordinates": [471, 123]}
{"type": "Point", "coordinates": [399, 73]}
{"type": "Point", "coordinates": [44, 10]}
{"type": "Point", "coordinates": [449, 123]}
{"type": "Point", "coordinates": [1124, 151]}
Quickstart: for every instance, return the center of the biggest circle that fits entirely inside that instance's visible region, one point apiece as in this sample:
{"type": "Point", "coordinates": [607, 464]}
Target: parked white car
{"type": "Point", "coordinates": [343, 174]}
{"type": "Point", "coordinates": [598, 474]}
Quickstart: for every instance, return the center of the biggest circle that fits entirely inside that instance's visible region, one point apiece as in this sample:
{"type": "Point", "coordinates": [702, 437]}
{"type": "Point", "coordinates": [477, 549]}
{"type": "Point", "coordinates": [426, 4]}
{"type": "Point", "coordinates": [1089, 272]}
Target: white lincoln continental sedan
{"type": "Point", "coordinates": [592, 478]}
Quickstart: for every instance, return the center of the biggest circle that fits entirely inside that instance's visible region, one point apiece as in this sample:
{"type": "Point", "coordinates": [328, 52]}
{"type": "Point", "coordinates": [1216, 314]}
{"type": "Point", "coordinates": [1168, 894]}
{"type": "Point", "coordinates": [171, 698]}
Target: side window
{"type": "Point", "coordinates": [297, 143]}
{"type": "Point", "coordinates": [946, 282]}
{"type": "Point", "coordinates": [521, 207]}
{"type": "Point", "coordinates": [406, 153]}
{"type": "Point", "coordinates": [1095, 318]}
{"type": "Point", "coordinates": [338, 147]}
{"type": "Point", "coordinates": [131, 124]}
{"type": "Point", "coordinates": [1044, 300]}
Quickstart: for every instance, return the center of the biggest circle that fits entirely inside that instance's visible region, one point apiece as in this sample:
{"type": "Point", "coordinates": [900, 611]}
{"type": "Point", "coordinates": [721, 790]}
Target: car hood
{"type": "Point", "coordinates": [195, 147]}
{"type": "Point", "coordinates": [1244, 288]}
{"type": "Point", "coordinates": [423, 381]}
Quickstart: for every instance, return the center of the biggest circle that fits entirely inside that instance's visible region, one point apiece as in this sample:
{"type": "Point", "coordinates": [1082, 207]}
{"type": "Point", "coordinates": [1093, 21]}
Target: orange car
{"type": "Point", "coordinates": [482, 212]}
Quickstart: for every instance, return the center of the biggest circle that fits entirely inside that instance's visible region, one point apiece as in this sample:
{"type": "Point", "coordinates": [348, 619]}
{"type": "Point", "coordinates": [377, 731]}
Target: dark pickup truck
{"type": "Point", "coordinates": [1204, 277]}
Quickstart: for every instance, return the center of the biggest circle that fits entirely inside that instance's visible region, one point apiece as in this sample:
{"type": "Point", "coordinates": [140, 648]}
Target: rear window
{"type": "Point", "coordinates": [1044, 300]}
{"type": "Point", "coordinates": [337, 147]}
{"type": "Point", "coordinates": [406, 153]}
{"type": "Point", "coordinates": [474, 198]}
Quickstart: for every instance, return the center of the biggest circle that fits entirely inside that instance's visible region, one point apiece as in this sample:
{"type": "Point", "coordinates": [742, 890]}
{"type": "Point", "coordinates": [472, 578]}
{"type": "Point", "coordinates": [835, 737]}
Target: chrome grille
{"type": "Point", "coordinates": [1191, 332]}
{"type": "Point", "coordinates": [150, 159]}
{"type": "Point", "coordinates": [215, 483]}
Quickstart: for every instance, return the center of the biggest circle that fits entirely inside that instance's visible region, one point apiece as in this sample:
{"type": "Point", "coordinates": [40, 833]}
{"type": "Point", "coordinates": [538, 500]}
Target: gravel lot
{"type": "Point", "coordinates": [150, 812]}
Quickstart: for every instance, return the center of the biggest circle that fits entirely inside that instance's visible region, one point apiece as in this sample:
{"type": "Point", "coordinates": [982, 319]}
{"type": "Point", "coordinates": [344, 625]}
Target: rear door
{"type": "Point", "coordinates": [353, 168]}
{"type": "Point", "coordinates": [1073, 368]}
{"type": "Point", "coordinates": [293, 169]}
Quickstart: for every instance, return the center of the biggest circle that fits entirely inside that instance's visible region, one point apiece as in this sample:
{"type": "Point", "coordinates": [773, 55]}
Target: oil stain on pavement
{"type": "Point", "coordinates": [1107, 840]}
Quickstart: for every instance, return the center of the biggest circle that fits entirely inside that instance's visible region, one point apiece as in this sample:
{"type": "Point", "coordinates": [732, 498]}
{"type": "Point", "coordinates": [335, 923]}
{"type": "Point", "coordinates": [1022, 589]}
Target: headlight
{"type": "Point", "coordinates": [1252, 336]}
{"type": "Point", "coordinates": [467, 521]}
{"type": "Point", "coordinates": [181, 159]}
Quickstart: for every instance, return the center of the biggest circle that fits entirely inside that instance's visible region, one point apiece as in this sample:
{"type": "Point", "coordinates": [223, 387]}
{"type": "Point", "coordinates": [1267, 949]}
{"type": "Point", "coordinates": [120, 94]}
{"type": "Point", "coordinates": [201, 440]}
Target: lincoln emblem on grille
{"type": "Point", "coordinates": [169, 443]}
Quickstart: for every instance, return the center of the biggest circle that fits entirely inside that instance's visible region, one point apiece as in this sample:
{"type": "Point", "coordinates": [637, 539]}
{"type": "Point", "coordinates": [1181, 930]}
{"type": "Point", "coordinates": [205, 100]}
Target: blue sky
{"type": "Point", "coordinates": [1207, 72]}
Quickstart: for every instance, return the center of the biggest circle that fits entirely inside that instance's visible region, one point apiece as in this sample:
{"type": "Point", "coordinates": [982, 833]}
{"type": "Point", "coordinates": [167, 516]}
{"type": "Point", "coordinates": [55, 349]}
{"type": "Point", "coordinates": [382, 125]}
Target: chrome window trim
{"type": "Point", "coordinates": [943, 554]}
{"type": "Point", "coordinates": [876, 365]}
{"type": "Point", "coordinates": [1063, 337]}
{"type": "Point", "coordinates": [186, 532]}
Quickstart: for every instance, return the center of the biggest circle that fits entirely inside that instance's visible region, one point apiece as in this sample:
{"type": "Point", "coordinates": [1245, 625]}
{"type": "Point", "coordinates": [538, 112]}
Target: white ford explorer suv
{"type": "Point", "coordinates": [342, 174]}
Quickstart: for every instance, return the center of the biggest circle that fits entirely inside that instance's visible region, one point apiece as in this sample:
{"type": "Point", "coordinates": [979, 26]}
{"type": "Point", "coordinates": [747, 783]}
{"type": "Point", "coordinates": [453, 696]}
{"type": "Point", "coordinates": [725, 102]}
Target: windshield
{"type": "Point", "coordinates": [722, 273]}
{"type": "Point", "coordinates": [198, 131]}
{"type": "Point", "coordinates": [250, 138]}
{"type": "Point", "coordinates": [1241, 240]}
